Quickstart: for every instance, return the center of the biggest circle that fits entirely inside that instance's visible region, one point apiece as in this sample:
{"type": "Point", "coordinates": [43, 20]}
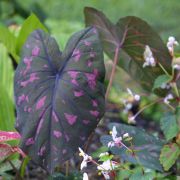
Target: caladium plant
{"type": "Point", "coordinates": [59, 95]}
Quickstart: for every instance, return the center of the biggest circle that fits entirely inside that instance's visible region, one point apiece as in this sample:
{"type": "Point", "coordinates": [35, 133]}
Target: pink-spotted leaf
{"type": "Point", "coordinates": [59, 95]}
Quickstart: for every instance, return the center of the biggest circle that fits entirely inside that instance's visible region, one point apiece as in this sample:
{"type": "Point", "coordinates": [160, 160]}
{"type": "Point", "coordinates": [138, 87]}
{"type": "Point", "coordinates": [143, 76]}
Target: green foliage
{"type": "Point", "coordinates": [9, 41]}
{"type": "Point", "coordinates": [147, 147]}
{"type": "Point", "coordinates": [169, 155]}
{"type": "Point", "coordinates": [30, 24]}
{"type": "Point", "coordinates": [98, 151]}
{"type": "Point", "coordinates": [160, 80]}
{"type": "Point", "coordinates": [6, 95]}
{"type": "Point", "coordinates": [169, 125]}
{"type": "Point", "coordinates": [140, 175]}
{"type": "Point", "coordinates": [6, 167]}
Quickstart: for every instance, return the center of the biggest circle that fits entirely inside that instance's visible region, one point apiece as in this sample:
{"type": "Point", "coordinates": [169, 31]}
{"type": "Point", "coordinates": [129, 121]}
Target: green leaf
{"type": "Point", "coordinates": [9, 41]}
{"type": "Point", "coordinates": [7, 115]}
{"type": "Point", "coordinates": [5, 166]}
{"type": "Point", "coordinates": [160, 80]}
{"type": "Point", "coordinates": [30, 24]}
{"type": "Point", "coordinates": [139, 175]}
{"type": "Point", "coordinates": [98, 151]}
{"type": "Point", "coordinates": [178, 116]}
{"type": "Point", "coordinates": [130, 35]}
{"type": "Point", "coordinates": [169, 125]}
{"type": "Point", "coordinates": [169, 155]}
{"type": "Point", "coordinates": [147, 147]}
{"type": "Point", "coordinates": [106, 157]}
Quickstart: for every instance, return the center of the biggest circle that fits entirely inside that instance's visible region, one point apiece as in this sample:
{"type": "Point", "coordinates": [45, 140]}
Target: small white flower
{"type": "Point", "coordinates": [85, 176]}
{"type": "Point", "coordinates": [176, 66]}
{"type": "Point", "coordinates": [148, 57]}
{"type": "Point", "coordinates": [106, 175]}
{"type": "Point", "coordinates": [111, 144]}
{"type": "Point", "coordinates": [104, 154]}
{"type": "Point", "coordinates": [116, 140]}
{"type": "Point", "coordinates": [131, 120]}
{"type": "Point", "coordinates": [167, 98]}
{"type": "Point", "coordinates": [127, 106]}
{"type": "Point", "coordinates": [135, 96]}
{"type": "Point", "coordinates": [126, 135]}
{"type": "Point", "coordinates": [107, 166]}
{"type": "Point", "coordinates": [165, 86]}
{"type": "Point", "coordinates": [171, 43]}
{"type": "Point", "coordinates": [86, 158]}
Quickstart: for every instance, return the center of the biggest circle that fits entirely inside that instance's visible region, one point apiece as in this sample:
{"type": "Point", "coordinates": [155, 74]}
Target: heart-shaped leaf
{"type": "Point", "coordinates": [59, 96]}
{"type": "Point", "coordinates": [130, 35]}
{"type": "Point", "coordinates": [147, 147]}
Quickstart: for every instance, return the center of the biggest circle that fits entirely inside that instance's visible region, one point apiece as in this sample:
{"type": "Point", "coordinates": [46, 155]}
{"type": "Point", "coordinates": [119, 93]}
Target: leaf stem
{"type": "Point", "coordinates": [146, 106]}
{"type": "Point", "coordinates": [112, 72]}
{"type": "Point", "coordinates": [161, 66]}
{"type": "Point", "coordinates": [67, 168]}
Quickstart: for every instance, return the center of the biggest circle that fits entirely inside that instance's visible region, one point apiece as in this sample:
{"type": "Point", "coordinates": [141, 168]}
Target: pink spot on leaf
{"type": "Point", "coordinates": [45, 66]}
{"type": "Point", "coordinates": [92, 78]}
{"type": "Point", "coordinates": [40, 103]}
{"type": "Point", "coordinates": [70, 118]}
{"type": "Point", "coordinates": [55, 148]}
{"type": "Point", "coordinates": [29, 141]}
{"type": "Point", "coordinates": [22, 98]}
{"type": "Point", "coordinates": [92, 54]}
{"type": "Point", "coordinates": [86, 121]}
{"type": "Point", "coordinates": [35, 51]}
{"type": "Point", "coordinates": [76, 54]}
{"type": "Point", "coordinates": [55, 117]}
{"type": "Point", "coordinates": [32, 78]}
{"type": "Point", "coordinates": [94, 113]}
{"type": "Point", "coordinates": [42, 150]}
{"type": "Point", "coordinates": [57, 134]}
{"type": "Point", "coordinates": [94, 103]}
{"type": "Point", "coordinates": [82, 138]}
{"type": "Point", "coordinates": [29, 110]}
{"type": "Point", "coordinates": [67, 138]}
{"type": "Point", "coordinates": [89, 63]}
{"type": "Point", "coordinates": [78, 93]}
{"type": "Point", "coordinates": [87, 43]}
{"type": "Point", "coordinates": [28, 62]}
{"type": "Point", "coordinates": [64, 151]}
{"type": "Point", "coordinates": [73, 75]}
{"type": "Point", "coordinates": [40, 125]}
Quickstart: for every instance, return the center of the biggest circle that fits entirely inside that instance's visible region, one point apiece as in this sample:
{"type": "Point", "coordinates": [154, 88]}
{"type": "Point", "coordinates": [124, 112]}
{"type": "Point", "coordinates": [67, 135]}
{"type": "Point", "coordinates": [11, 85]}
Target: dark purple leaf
{"type": "Point", "coordinates": [130, 35]}
{"type": "Point", "coordinates": [59, 96]}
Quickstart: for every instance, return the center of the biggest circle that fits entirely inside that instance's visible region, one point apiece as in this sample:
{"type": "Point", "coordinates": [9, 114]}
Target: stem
{"type": "Point", "coordinates": [171, 107]}
{"type": "Point", "coordinates": [18, 176]}
{"type": "Point", "coordinates": [112, 72]}
{"type": "Point", "coordinates": [164, 69]}
{"type": "Point", "coordinates": [176, 89]}
{"type": "Point", "coordinates": [67, 168]}
{"type": "Point", "coordinates": [126, 147]}
{"type": "Point", "coordinates": [88, 142]}
{"type": "Point", "coordinates": [146, 106]}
